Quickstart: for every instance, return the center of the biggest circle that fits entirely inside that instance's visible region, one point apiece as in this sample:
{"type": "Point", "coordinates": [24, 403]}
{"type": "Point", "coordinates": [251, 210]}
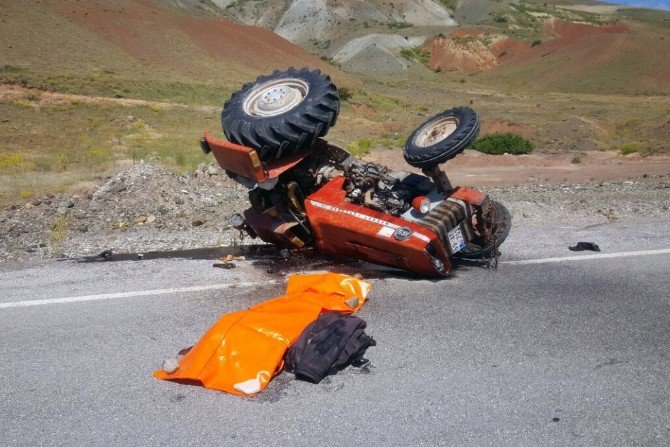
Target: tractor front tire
{"type": "Point", "coordinates": [441, 138]}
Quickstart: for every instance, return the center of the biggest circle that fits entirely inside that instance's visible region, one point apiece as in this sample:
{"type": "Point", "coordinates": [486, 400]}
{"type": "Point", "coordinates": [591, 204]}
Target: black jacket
{"type": "Point", "coordinates": [332, 342]}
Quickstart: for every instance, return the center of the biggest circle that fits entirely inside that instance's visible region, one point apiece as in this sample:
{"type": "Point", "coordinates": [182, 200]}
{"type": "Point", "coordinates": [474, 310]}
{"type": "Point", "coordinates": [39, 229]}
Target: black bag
{"type": "Point", "coordinates": [332, 342]}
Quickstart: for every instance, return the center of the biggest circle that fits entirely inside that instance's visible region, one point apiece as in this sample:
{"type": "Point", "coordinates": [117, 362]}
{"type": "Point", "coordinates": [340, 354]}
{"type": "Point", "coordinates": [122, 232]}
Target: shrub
{"type": "Point", "coordinates": [419, 54]}
{"type": "Point", "coordinates": [10, 163]}
{"type": "Point", "coordinates": [503, 143]}
{"type": "Point", "coordinates": [630, 148]}
{"type": "Point", "coordinates": [10, 69]}
{"type": "Point", "coordinates": [360, 147]}
{"type": "Point", "coordinates": [399, 25]}
{"type": "Point", "coordinates": [26, 193]}
{"type": "Point", "coordinates": [576, 160]}
{"type": "Point", "coordinates": [536, 43]}
{"type": "Point", "coordinates": [345, 93]}
{"type": "Point", "coordinates": [407, 53]}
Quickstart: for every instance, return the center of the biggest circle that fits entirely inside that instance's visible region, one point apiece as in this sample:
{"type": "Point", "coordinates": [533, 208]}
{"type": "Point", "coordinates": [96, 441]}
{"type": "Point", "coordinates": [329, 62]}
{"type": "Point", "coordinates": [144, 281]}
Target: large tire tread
{"type": "Point", "coordinates": [454, 144]}
{"type": "Point", "coordinates": [290, 131]}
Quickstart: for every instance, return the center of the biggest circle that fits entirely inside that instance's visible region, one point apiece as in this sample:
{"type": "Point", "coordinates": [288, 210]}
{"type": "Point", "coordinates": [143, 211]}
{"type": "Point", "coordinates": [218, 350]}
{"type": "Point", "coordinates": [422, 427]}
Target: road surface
{"type": "Point", "coordinates": [552, 348]}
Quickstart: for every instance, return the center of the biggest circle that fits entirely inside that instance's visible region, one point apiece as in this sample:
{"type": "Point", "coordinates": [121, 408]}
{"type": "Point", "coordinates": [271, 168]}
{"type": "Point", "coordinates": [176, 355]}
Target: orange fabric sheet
{"type": "Point", "coordinates": [243, 350]}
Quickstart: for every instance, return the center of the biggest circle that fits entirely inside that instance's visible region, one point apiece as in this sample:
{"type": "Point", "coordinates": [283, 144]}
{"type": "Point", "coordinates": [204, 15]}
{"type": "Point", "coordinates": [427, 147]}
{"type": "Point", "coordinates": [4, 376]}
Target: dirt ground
{"type": "Point", "coordinates": [477, 169]}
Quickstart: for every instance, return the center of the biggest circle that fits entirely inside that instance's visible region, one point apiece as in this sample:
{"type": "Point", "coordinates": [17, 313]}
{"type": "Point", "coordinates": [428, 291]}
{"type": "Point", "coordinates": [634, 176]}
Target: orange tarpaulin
{"type": "Point", "coordinates": [243, 350]}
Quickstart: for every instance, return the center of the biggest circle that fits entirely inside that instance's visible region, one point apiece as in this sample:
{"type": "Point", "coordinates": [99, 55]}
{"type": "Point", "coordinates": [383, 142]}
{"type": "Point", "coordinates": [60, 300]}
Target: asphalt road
{"type": "Point", "coordinates": [566, 352]}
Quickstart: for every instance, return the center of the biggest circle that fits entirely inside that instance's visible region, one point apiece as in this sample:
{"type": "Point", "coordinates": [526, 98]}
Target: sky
{"type": "Point", "coordinates": [657, 4]}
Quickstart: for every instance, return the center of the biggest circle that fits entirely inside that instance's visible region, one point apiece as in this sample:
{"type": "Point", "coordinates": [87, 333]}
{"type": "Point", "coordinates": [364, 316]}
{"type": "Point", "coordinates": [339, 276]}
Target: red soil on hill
{"type": "Point", "coordinates": [616, 58]}
{"type": "Point", "coordinates": [167, 37]}
{"type": "Point", "coordinates": [458, 53]}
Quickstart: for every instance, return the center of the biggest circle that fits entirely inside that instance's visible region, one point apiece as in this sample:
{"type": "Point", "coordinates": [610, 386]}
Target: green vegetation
{"type": "Point", "coordinates": [91, 140]}
{"type": "Point", "coordinates": [107, 83]}
{"type": "Point", "coordinates": [449, 4]}
{"type": "Point", "coordinates": [345, 93]}
{"type": "Point", "coordinates": [653, 17]}
{"type": "Point", "coordinates": [378, 102]}
{"type": "Point", "coordinates": [503, 143]}
{"type": "Point", "coordinates": [361, 146]}
{"type": "Point", "coordinates": [393, 140]}
{"type": "Point", "coordinates": [418, 54]}
{"type": "Point", "coordinates": [630, 148]}
{"type": "Point", "coordinates": [576, 159]}
{"type": "Point", "coordinates": [330, 61]}
{"type": "Point", "coordinates": [58, 233]}
{"type": "Point", "coordinates": [399, 25]}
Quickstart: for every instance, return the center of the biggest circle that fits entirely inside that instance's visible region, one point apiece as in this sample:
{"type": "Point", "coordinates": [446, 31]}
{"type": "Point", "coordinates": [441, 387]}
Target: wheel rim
{"type": "Point", "coordinates": [436, 131]}
{"type": "Point", "coordinates": [275, 97]}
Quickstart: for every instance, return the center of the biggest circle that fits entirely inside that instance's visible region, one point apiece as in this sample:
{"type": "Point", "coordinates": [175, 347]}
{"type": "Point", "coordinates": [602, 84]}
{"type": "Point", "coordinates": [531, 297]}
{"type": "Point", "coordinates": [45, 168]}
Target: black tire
{"type": "Point", "coordinates": [287, 131]}
{"type": "Point", "coordinates": [422, 152]}
{"type": "Point", "coordinates": [473, 251]}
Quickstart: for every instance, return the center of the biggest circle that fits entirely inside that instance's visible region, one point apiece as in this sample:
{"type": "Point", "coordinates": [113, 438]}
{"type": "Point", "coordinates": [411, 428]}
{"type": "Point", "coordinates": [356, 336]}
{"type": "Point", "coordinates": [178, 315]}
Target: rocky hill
{"type": "Point", "coordinates": [557, 46]}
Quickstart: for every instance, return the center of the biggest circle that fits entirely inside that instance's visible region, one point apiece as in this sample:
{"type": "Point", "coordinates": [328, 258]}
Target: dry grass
{"type": "Point", "coordinates": [48, 148]}
{"type": "Point", "coordinates": [58, 233]}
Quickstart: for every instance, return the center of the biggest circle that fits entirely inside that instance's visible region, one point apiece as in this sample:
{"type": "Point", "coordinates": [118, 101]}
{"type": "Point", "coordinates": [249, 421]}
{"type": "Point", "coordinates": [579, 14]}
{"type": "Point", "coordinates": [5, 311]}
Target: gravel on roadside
{"type": "Point", "coordinates": [146, 208]}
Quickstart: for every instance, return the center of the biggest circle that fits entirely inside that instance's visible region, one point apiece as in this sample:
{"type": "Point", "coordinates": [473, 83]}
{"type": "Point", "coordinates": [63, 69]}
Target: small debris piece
{"type": "Point", "coordinates": [236, 221]}
{"type": "Point", "coordinates": [224, 265]}
{"type": "Point", "coordinates": [107, 255]}
{"type": "Point", "coordinates": [581, 246]}
{"type": "Point", "coordinates": [140, 219]}
{"type": "Point", "coordinates": [140, 256]}
{"type": "Point", "coordinates": [170, 365]}
{"type": "Point", "coordinates": [285, 253]}
{"type": "Point", "coordinates": [150, 219]}
{"type": "Point", "coordinates": [230, 258]}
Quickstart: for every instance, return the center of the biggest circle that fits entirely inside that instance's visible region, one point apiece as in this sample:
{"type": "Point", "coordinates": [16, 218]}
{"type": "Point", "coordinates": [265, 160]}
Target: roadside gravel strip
{"type": "Point", "coordinates": [146, 208]}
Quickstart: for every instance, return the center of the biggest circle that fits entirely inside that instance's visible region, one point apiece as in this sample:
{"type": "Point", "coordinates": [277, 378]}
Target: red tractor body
{"type": "Point", "coordinates": [421, 241]}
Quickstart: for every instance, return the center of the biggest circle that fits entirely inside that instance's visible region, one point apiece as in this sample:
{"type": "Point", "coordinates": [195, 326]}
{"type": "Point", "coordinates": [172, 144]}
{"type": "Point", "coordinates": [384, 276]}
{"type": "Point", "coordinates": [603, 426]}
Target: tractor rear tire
{"type": "Point", "coordinates": [442, 137]}
{"type": "Point", "coordinates": [282, 113]}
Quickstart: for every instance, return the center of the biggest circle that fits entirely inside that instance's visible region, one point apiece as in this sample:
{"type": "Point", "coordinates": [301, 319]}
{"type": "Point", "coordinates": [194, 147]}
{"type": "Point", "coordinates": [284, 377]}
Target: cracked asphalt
{"type": "Point", "coordinates": [561, 353]}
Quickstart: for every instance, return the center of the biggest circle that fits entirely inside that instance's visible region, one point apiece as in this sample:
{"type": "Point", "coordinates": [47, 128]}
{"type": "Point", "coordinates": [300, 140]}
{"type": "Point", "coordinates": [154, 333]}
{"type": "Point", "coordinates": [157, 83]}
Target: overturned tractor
{"type": "Point", "coordinates": [305, 191]}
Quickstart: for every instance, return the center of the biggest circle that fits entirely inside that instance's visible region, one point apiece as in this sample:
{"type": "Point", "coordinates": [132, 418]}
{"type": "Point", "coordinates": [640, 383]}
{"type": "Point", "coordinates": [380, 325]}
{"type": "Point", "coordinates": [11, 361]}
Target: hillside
{"type": "Point", "coordinates": [89, 87]}
{"type": "Point", "coordinates": [567, 46]}
{"type": "Point", "coordinates": [137, 48]}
